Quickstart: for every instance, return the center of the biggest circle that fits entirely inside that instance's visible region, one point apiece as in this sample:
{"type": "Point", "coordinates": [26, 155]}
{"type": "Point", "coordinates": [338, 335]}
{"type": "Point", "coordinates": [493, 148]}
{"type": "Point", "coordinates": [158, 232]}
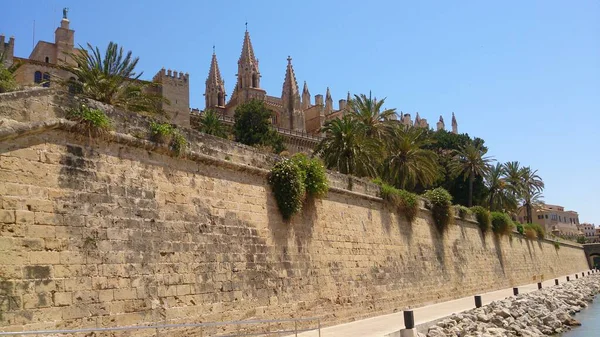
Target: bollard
{"type": "Point", "coordinates": [568, 279]}
{"type": "Point", "coordinates": [555, 281]}
{"type": "Point", "coordinates": [478, 301]}
{"type": "Point", "coordinates": [409, 319]}
{"type": "Point", "coordinates": [515, 291]}
{"type": "Point", "coordinates": [539, 285]}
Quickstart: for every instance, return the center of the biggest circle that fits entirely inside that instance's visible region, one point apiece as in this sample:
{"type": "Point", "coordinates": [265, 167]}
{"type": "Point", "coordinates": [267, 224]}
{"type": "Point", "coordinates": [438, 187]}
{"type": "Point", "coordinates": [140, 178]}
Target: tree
{"type": "Point", "coordinates": [499, 197]}
{"type": "Point", "coordinates": [367, 111]}
{"type": "Point", "coordinates": [347, 148]}
{"type": "Point", "coordinates": [445, 144]}
{"type": "Point", "coordinates": [513, 177]}
{"type": "Point", "coordinates": [211, 124]}
{"type": "Point", "coordinates": [470, 162]}
{"type": "Point", "coordinates": [112, 79]}
{"type": "Point", "coordinates": [532, 190]}
{"type": "Point", "coordinates": [7, 77]}
{"type": "Point", "coordinates": [409, 164]}
{"type": "Point", "coordinates": [253, 126]}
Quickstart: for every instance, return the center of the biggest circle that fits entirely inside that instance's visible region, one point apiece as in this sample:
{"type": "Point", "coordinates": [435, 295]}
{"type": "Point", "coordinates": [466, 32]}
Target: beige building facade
{"type": "Point", "coordinates": [555, 219]}
{"type": "Point", "coordinates": [43, 68]}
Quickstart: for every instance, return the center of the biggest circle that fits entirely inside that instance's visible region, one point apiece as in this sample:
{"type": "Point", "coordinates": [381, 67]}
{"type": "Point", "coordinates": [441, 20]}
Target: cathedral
{"type": "Point", "coordinates": [292, 110]}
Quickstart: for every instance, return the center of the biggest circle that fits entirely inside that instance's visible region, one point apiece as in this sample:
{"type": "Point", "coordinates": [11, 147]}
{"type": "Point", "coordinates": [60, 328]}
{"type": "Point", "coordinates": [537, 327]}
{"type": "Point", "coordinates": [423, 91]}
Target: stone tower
{"type": "Point", "coordinates": [175, 87]}
{"type": "Point", "coordinates": [64, 39]}
{"type": "Point", "coordinates": [454, 124]}
{"type": "Point", "coordinates": [291, 117]}
{"type": "Point", "coordinates": [214, 94]}
{"type": "Point", "coordinates": [440, 124]}
{"type": "Point", "coordinates": [7, 49]}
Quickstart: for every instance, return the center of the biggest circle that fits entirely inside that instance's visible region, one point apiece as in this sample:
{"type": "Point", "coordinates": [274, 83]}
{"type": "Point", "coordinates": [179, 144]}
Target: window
{"type": "Point", "coordinates": [47, 59]}
{"type": "Point", "coordinates": [37, 77]}
{"type": "Point", "coordinates": [546, 216]}
{"type": "Point", "coordinates": [46, 83]}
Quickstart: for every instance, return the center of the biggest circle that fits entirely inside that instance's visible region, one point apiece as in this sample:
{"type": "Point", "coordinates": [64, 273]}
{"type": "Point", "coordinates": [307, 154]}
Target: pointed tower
{"type": "Point", "coordinates": [417, 121]}
{"type": "Point", "coordinates": [247, 86]}
{"type": "Point", "coordinates": [214, 94]}
{"type": "Point", "coordinates": [328, 102]}
{"type": "Point", "coordinates": [454, 124]}
{"type": "Point", "coordinates": [305, 97]}
{"type": "Point", "coordinates": [440, 124]}
{"type": "Point", "coordinates": [248, 73]}
{"type": "Point", "coordinates": [290, 97]}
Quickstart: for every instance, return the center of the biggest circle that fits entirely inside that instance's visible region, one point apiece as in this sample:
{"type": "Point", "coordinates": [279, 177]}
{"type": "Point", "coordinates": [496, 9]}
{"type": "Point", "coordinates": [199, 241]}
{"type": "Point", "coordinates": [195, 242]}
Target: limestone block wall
{"type": "Point", "coordinates": [106, 232]}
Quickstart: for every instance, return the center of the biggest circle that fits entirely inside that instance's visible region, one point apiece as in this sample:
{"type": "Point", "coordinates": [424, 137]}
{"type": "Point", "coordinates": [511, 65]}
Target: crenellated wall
{"type": "Point", "coordinates": [114, 231]}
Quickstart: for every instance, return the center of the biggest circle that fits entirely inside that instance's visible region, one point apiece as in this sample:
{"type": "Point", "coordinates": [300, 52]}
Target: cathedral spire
{"type": "Point", "coordinates": [214, 74]}
{"type": "Point", "coordinates": [214, 94]}
{"type": "Point", "coordinates": [290, 94]}
{"type": "Point", "coordinates": [454, 124]}
{"type": "Point", "coordinates": [417, 120]}
{"type": "Point", "coordinates": [290, 86]}
{"type": "Point", "coordinates": [328, 102]}
{"type": "Point", "coordinates": [248, 73]}
{"type": "Point", "coordinates": [305, 97]}
{"type": "Point", "coordinates": [247, 56]}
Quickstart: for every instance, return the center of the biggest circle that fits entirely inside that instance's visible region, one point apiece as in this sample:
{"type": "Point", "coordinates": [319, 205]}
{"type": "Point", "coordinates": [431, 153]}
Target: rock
{"type": "Point", "coordinates": [539, 313]}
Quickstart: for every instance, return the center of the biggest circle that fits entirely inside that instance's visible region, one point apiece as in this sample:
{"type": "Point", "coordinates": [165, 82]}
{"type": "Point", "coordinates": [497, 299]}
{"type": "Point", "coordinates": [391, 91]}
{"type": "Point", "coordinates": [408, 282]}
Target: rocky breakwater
{"type": "Point", "coordinates": [539, 313]}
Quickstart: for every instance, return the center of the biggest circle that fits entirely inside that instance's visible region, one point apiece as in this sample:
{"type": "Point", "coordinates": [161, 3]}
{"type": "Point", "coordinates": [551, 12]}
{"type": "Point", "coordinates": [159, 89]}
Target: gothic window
{"type": "Point", "coordinates": [254, 81]}
{"type": "Point", "coordinates": [46, 83]}
{"type": "Point", "coordinates": [37, 77]}
{"type": "Point", "coordinates": [47, 59]}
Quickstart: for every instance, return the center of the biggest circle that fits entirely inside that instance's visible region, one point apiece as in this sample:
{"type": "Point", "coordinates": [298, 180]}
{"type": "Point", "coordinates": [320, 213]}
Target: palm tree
{"type": "Point", "coordinates": [470, 161]}
{"type": "Point", "coordinates": [347, 149]}
{"type": "Point", "coordinates": [112, 79]}
{"type": "Point", "coordinates": [512, 174]}
{"type": "Point", "coordinates": [367, 111]}
{"type": "Point", "coordinates": [7, 77]}
{"type": "Point", "coordinates": [409, 163]}
{"type": "Point", "coordinates": [532, 190]}
{"type": "Point", "coordinates": [499, 196]}
{"type": "Point", "coordinates": [211, 124]}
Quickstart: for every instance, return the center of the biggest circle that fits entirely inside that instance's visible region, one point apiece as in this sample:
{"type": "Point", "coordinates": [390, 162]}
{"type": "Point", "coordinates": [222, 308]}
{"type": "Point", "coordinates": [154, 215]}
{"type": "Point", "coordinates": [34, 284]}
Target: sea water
{"type": "Point", "coordinates": [590, 320]}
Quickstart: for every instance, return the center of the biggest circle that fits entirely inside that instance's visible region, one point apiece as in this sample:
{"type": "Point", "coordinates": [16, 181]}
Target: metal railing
{"type": "Point", "coordinates": [202, 326]}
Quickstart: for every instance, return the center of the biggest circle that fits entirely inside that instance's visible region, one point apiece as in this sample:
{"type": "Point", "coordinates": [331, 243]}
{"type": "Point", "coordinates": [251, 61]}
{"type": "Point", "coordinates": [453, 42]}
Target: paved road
{"type": "Point", "coordinates": [380, 326]}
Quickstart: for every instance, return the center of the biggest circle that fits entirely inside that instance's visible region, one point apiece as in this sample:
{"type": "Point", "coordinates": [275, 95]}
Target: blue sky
{"type": "Point", "coordinates": [523, 75]}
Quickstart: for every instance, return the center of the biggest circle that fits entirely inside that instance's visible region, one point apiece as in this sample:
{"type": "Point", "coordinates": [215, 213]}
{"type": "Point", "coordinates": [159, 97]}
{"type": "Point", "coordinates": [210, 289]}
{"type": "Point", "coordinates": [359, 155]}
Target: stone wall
{"type": "Point", "coordinates": [114, 231]}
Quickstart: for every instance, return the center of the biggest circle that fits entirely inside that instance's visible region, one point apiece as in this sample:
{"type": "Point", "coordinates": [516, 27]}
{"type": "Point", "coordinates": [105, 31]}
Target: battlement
{"type": "Point", "coordinates": [171, 75]}
{"type": "Point", "coordinates": [7, 48]}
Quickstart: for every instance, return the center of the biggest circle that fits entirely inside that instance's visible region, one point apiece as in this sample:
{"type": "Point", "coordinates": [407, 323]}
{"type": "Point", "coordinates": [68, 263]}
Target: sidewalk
{"type": "Point", "coordinates": [380, 326]}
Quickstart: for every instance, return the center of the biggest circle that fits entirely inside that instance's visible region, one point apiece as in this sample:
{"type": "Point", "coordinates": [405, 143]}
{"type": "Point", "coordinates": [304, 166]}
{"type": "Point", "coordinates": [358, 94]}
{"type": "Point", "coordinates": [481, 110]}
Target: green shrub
{"type": "Point", "coordinates": [539, 230]}
{"type": "Point", "coordinates": [556, 245]}
{"type": "Point", "coordinates": [406, 202]}
{"type": "Point", "coordinates": [315, 180]}
{"type": "Point", "coordinates": [178, 144]}
{"type": "Point", "coordinates": [581, 239]}
{"type": "Point", "coordinates": [165, 133]}
{"type": "Point", "coordinates": [501, 223]}
{"type": "Point", "coordinates": [462, 211]}
{"type": "Point", "coordinates": [519, 226]}
{"type": "Point", "coordinates": [483, 218]}
{"type": "Point", "coordinates": [287, 182]}
{"type": "Point", "coordinates": [161, 132]}
{"type": "Point", "coordinates": [440, 202]}
{"type": "Point", "coordinates": [92, 120]}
